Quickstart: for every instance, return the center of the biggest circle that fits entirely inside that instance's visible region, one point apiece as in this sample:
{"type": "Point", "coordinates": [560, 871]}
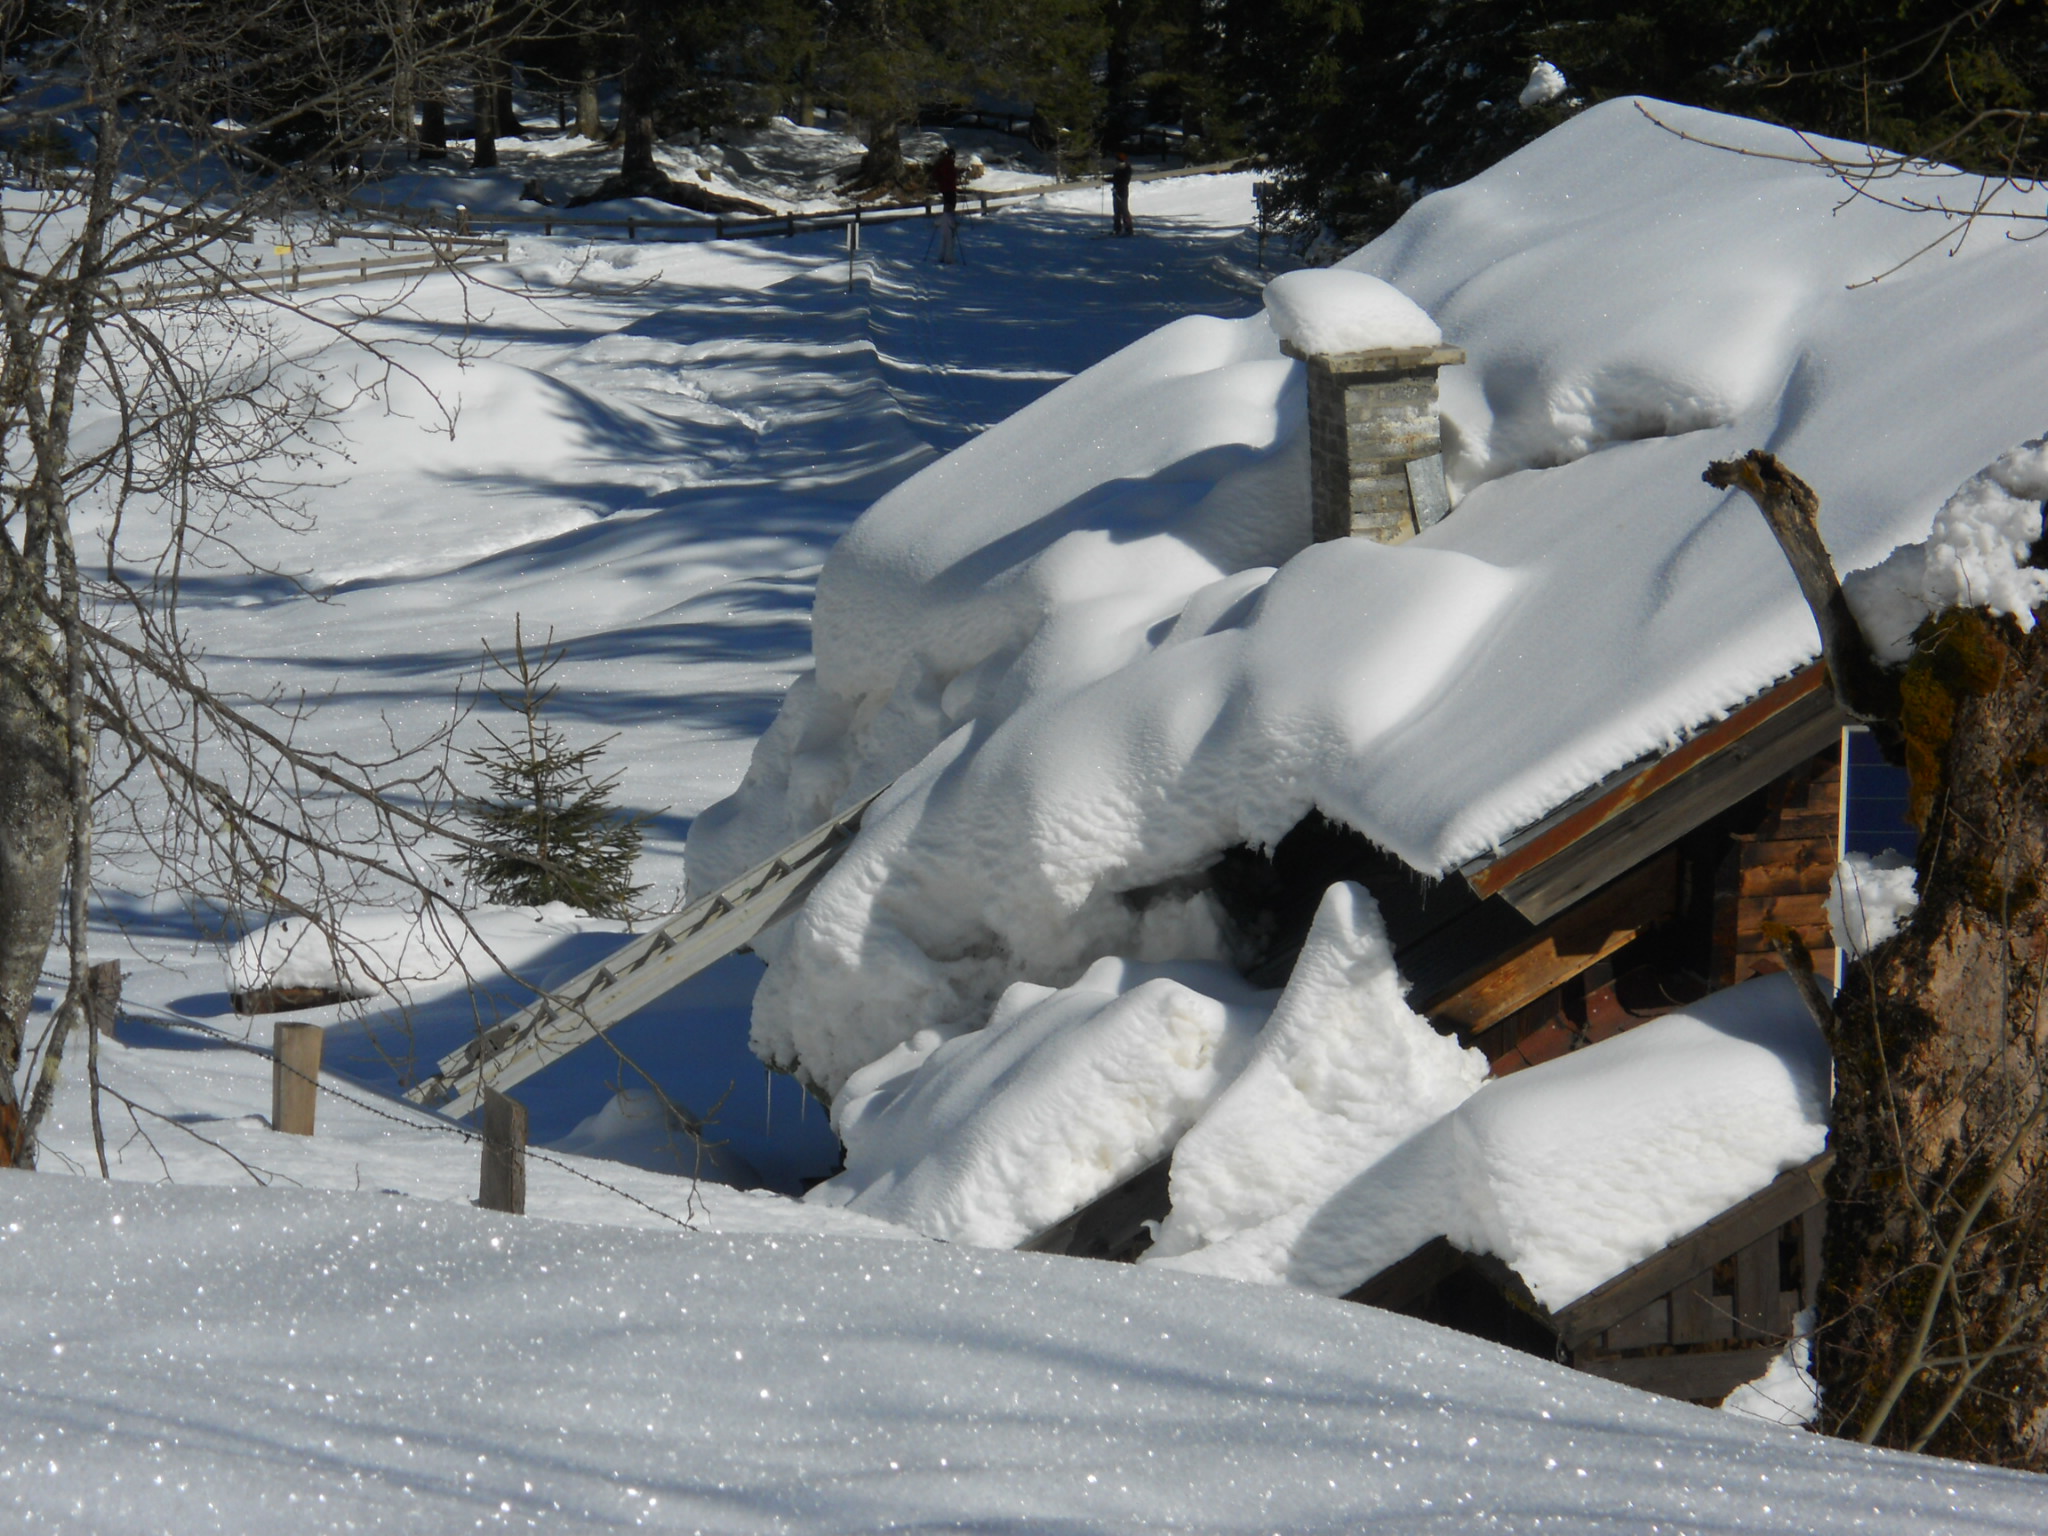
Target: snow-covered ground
{"type": "Point", "coordinates": [199, 1360]}
{"type": "Point", "coordinates": [654, 446]}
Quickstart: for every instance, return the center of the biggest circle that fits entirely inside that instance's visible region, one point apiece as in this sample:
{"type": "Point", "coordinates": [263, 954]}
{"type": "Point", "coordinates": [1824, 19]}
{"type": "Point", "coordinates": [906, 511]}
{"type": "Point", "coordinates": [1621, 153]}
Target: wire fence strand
{"type": "Point", "coordinates": [415, 1120]}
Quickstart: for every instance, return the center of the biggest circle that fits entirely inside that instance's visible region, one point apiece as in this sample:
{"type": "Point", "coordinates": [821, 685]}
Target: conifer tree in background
{"type": "Point", "coordinates": [547, 831]}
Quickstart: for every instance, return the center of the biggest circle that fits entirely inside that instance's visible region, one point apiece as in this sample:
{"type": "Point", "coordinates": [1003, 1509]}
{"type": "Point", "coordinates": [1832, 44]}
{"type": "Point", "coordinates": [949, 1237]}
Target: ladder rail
{"type": "Point", "coordinates": [628, 979]}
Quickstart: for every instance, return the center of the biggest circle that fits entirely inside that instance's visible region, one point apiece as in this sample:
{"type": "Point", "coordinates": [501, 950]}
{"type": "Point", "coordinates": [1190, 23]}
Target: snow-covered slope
{"type": "Point", "coordinates": [1069, 643]}
{"type": "Point", "coordinates": [215, 1361]}
{"type": "Point", "coordinates": [645, 449]}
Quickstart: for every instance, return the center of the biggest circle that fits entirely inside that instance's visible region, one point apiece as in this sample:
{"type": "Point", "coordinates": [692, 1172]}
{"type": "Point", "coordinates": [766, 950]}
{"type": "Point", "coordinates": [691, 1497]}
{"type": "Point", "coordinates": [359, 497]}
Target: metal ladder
{"type": "Point", "coordinates": [657, 962]}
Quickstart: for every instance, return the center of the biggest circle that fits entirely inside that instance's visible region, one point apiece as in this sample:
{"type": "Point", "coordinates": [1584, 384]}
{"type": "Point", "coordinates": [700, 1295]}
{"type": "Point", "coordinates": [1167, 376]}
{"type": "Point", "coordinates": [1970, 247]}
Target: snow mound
{"type": "Point", "coordinates": [1333, 310]}
{"type": "Point", "coordinates": [1575, 1170]}
{"type": "Point", "coordinates": [993, 1136]}
{"type": "Point", "coordinates": [1869, 899]}
{"type": "Point", "coordinates": [1343, 1073]}
{"type": "Point", "coordinates": [213, 1360]}
{"type": "Point", "coordinates": [1787, 1393]}
{"type": "Point", "coordinates": [1977, 555]}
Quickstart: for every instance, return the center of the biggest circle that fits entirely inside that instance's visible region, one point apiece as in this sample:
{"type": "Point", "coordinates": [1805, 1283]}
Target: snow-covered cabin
{"type": "Point", "coordinates": [1225, 871]}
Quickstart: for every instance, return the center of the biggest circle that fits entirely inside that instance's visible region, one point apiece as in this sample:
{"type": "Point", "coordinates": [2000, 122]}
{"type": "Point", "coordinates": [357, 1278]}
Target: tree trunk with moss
{"type": "Point", "coordinates": [1935, 1290]}
{"type": "Point", "coordinates": [1933, 1331]}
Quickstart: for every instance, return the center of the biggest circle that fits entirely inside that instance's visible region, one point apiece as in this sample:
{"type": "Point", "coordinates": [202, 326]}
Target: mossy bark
{"type": "Point", "coordinates": [1934, 1292]}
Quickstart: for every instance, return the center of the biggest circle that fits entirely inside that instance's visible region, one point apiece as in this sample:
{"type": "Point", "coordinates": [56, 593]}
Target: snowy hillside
{"type": "Point", "coordinates": [1092, 653]}
{"type": "Point", "coordinates": [648, 449]}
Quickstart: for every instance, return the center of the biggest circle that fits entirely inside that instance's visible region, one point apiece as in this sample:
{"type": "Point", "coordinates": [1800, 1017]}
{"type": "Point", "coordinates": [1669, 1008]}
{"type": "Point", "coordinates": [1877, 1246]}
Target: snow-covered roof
{"type": "Point", "coordinates": [1094, 650]}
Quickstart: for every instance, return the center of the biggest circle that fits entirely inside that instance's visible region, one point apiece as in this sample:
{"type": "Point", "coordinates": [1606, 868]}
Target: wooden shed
{"type": "Point", "coordinates": [1695, 1320]}
{"type": "Point", "coordinates": [1640, 896]}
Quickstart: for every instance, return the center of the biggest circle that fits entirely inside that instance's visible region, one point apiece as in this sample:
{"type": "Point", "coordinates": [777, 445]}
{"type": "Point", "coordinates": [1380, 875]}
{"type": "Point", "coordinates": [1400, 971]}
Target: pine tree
{"type": "Point", "coordinates": [547, 831]}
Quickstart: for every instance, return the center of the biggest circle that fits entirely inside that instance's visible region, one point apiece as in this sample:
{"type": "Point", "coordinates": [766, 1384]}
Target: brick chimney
{"type": "Point", "coordinates": [1375, 441]}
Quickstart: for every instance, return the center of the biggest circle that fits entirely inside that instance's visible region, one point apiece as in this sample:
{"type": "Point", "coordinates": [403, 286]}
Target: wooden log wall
{"type": "Point", "coordinates": [1779, 873]}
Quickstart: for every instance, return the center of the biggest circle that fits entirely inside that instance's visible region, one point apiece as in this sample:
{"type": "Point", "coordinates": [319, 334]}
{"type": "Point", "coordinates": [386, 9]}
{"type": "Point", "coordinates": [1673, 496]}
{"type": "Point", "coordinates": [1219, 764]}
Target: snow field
{"type": "Point", "coordinates": [212, 1360]}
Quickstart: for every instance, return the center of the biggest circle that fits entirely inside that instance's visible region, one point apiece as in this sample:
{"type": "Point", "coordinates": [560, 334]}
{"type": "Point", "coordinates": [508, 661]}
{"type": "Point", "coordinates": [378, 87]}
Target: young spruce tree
{"type": "Point", "coordinates": [547, 831]}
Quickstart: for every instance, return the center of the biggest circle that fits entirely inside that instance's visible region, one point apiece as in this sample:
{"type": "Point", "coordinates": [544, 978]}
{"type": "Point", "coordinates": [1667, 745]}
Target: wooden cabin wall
{"type": "Point", "coordinates": [1779, 873]}
{"type": "Point", "coordinates": [1768, 859]}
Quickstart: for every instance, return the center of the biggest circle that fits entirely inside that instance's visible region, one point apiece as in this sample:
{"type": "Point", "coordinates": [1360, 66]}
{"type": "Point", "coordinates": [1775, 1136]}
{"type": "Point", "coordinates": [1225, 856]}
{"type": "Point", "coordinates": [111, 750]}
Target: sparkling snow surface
{"type": "Point", "coordinates": [206, 1360]}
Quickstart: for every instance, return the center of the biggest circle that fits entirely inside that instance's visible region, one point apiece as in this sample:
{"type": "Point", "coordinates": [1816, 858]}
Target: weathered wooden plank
{"type": "Point", "coordinates": [1756, 1287]}
{"type": "Point", "coordinates": [1702, 1377]}
{"type": "Point", "coordinates": [1784, 1313]}
{"type": "Point", "coordinates": [1641, 1330]}
{"type": "Point", "coordinates": [1562, 948]}
{"type": "Point", "coordinates": [1806, 875]}
{"type": "Point", "coordinates": [1113, 1226]}
{"type": "Point", "coordinates": [501, 1176]}
{"type": "Point", "coordinates": [295, 1051]}
{"type": "Point", "coordinates": [1797, 710]}
{"type": "Point", "coordinates": [1804, 909]}
{"type": "Point", "coordinates": [1401, 1282]}
{"type": "Point", "coordinates": [1617, 836]}
{"type": "Point", "coordinates": [1698, 1314]}
{"type": "Point", "coordinates": [1812, 1227]}
{"type": "Point", "coordinates": [1790, 1194]}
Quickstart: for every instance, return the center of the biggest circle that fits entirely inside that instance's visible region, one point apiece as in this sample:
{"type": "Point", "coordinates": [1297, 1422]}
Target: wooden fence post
{"type": "Point", "coordinates": [103, 997]}
{"type": "Point", "coordinates": [295, 1076]}
{"type": "Point", "coordinates": [503, 1185]}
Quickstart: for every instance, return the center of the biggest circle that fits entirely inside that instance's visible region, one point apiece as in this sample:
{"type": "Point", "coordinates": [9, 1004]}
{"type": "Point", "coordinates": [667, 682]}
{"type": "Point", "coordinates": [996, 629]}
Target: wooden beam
{"type": "Point", "coordinates": [295, 1050]}
{"type": "Point", "coordinates": [501, 1178]}
{"type": "Point", "coordinates": [1702, 1377]}
{"type": "Point", "coordinates": [1566, 946]}
{"type": "Point", "coordinates": [1113, 1226]}
{"type": "Point", "coordinates": [1401, 1282]}
{"type": "Point", "coordinates": [1617, 824]}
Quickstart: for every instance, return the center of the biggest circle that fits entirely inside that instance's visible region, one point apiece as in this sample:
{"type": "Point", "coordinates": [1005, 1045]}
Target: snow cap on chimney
{"type": "Point", "coordinates": [1375, 455]}
{"type": "Point", "coordinates": [1328, 311]}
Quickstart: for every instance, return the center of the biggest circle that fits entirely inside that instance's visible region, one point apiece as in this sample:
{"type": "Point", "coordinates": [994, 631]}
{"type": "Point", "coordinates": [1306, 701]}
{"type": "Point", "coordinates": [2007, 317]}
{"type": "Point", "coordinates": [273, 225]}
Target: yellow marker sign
{"type": "Point", "coordinates": [283, 250]}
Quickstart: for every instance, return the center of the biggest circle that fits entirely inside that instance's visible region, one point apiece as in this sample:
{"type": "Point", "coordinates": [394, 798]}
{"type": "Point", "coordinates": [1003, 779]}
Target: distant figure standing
{"type": "Point", "coordinates": [1120, 197]}
{"type": "Point", "coordinates": [946, 177]}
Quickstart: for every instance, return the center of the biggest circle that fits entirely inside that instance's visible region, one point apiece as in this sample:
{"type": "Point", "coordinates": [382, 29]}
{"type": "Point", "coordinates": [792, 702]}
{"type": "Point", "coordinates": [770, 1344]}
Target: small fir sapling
{"type": "Point", "coordinates": [547, 830]}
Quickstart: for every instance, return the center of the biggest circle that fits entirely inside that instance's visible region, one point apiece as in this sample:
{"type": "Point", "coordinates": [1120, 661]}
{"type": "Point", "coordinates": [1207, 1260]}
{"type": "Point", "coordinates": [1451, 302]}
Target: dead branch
{"type": "Point", "coordinates": [1864, 689]}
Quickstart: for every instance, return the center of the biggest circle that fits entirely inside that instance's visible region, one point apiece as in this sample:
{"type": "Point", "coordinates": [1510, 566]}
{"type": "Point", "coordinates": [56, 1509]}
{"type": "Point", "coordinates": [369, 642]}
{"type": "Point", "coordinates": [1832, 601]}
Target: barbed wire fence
{"type": "Point", "coordinates": [412, 1120]}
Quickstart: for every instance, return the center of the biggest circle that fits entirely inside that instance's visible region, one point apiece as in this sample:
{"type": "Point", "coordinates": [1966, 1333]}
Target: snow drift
{"type": "Point", "coordinates": [1573, 1171]}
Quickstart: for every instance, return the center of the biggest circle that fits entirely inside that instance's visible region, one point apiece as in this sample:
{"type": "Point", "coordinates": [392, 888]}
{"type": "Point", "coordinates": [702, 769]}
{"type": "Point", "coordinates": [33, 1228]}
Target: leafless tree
{"type": "Point", "coordinates": [147, 421]}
